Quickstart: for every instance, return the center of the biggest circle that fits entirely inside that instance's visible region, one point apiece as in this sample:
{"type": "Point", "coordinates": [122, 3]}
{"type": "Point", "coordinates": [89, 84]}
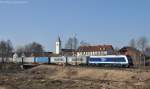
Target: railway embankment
{"type": "Point", "coordinates": [69, 77]}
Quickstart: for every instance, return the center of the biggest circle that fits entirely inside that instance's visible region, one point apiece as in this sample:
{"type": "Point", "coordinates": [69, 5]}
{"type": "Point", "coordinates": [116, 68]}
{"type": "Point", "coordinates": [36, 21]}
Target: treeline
{"type": "Point", "coordinates": [30, 48]}
{"type": "Point", "coordinates": [141, 43]}
{"type": "Point", "coordinates": [73, 43]}
{"type": "Point", "coordinates": [7, 49]}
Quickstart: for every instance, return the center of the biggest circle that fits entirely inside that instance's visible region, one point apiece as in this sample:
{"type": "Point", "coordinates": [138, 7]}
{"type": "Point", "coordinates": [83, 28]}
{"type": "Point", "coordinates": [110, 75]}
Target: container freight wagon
{"type": "Point", "coordinates": [42, 60]}
{"type": "Point", "coordinates": [110, 60]}
{"type": "Point", "coordinates": [28, 60]}
{"type": "Point", "coordinates": [58, 60]}
{"type": "Point", "coordinates": [82, 60]}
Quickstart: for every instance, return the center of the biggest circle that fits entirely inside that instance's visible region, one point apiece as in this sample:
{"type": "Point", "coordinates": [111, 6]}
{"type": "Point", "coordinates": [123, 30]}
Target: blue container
{"type": "Point", "coordinates": [42, 59]}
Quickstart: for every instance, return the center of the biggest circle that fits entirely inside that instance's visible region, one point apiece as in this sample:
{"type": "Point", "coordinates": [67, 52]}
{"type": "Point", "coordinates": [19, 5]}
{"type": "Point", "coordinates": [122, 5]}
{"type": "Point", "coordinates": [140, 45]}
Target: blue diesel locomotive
{"type": "Point", "coordinates": [111, 60]}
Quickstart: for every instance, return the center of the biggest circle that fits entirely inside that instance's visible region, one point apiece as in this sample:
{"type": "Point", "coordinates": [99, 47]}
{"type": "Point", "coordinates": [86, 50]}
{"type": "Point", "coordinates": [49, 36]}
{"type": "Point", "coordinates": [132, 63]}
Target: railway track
{"type": "Point", "coordinates": [141, 69]}
{"type": "Point", "coordinates": [138, 69]}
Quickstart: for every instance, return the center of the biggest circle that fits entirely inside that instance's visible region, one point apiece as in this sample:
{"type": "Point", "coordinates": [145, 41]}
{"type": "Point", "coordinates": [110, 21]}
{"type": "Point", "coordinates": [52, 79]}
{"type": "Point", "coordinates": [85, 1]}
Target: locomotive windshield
{"type": "Point", "coordinates": [130, 61]}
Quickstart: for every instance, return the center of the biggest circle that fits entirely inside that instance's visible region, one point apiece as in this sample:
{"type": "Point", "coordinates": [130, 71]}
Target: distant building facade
{"type": "Point", "coordinates": [133, 53]}
{"type": "Point", "coordinates": [68, 52]}
{"type": "Point", "coordinates": [95, 50]}
{"type": "Point", "coordinates": [41, 54]}
{"type": "Point", "coordinates": [147, 52]}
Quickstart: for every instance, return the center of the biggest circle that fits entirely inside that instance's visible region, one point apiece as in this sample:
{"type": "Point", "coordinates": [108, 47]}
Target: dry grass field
{"type": "Point", "coordinates": [60, 77]}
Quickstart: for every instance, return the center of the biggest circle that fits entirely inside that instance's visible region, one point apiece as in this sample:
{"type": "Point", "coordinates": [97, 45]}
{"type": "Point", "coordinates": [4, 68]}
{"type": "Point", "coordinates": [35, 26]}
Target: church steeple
{"type": "Point", "coordinates": [58, 45]}
{"type": "Point", "coordinates": [58, 39]}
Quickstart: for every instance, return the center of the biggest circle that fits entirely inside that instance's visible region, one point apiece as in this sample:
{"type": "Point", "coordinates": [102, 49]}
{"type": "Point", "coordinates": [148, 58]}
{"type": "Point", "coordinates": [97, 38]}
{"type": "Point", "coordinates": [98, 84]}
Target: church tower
{"type": "Point", "coordinates": [58, 46]}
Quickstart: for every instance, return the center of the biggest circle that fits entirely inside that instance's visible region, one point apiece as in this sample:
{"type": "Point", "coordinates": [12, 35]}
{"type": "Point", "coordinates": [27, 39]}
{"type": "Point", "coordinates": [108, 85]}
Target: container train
{"type": "Point", "coordinates": [109, 60]}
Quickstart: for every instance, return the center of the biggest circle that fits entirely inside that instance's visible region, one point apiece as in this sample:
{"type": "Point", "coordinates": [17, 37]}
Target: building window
{"type": "Point", "coordinates": [103, 48]}
{"type": "Point", "coordinates": [100, 49]}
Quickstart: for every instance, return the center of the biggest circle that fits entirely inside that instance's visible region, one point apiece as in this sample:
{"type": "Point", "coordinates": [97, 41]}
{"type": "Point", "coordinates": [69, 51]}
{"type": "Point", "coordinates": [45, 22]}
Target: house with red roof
{"type": "Point", "coordinates": [96, 50]}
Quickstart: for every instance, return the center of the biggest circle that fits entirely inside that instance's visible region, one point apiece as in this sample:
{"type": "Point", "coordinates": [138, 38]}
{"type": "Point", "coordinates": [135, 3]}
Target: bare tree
{"type": "Point", "coordinates": [69, 44]}
{"type": "Point", "coordinates": [30, 48]}
{"type": "Point", "coordinates": [37, 47]}
{"type": "Point", "coordinates": [2, 50]}
{"type": "Point", "coordinates": [9, 49]}
{"type": "Point", "coordinates": [34, 47]}
{"type": "Point", "coordinates": [132, 43]}
{"type": "Point", "coordinates": [142, 44]}
{"type": "Point", "coordinates": [6, 49]}
{"type": "Point", "coordinates": [116, 50]}
{"type": "Point", "coordinates": [72, 43]}
{"type": "Point", "coordinates": [20, 50]}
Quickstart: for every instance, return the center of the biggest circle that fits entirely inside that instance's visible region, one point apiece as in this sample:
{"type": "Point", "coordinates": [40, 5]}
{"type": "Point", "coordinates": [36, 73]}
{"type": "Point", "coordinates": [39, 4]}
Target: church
{"type": "Point", "coordinates": [91, 50]}
{"type": "Point", "coordinates": [63, 52]}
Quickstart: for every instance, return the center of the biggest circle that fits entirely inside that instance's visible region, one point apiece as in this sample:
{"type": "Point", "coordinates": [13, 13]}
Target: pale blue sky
{"type": "Point", "coordinates": [95, 21]}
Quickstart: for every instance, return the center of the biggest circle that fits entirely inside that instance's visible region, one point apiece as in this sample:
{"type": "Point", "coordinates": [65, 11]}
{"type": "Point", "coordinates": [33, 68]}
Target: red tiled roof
{"type": "Point", "coordinates": [95, 48]}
